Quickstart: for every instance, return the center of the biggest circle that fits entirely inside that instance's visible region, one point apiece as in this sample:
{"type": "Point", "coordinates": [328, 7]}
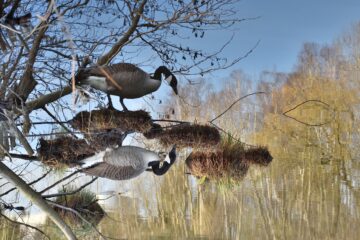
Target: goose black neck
{"type": "Point", "coordinates": [161, 70]}
{"type": "Point", "coordinates": [161, 170]}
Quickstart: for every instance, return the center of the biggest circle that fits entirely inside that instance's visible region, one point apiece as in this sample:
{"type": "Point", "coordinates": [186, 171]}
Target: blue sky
{"type": "Point", "coordinates": [283, 27]}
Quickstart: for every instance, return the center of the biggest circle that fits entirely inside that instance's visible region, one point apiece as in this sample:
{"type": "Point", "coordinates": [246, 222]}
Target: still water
{"type": "Point", "coordinates": [300, 195]}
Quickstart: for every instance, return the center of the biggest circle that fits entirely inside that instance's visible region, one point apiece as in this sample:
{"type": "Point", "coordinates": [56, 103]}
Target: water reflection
{"type": "Point", "coordinates": [307, 192]}
{"type": "Point", "coordinates": [126, 162]}
{"type": "Point", "coordinates": [228, 162]}
{"type": "Point", "coordinates": [295, 198]}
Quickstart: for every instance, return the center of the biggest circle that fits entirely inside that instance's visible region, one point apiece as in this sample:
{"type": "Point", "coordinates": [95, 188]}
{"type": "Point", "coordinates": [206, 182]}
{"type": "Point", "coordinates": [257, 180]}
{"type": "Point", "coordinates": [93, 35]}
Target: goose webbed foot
{"type": "Point", "coordinates": [123, 105]}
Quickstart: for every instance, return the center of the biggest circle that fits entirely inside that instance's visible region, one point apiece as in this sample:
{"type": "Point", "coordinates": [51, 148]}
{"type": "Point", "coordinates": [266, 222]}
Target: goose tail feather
{"type": "Point", "coordinates": [93, 160]}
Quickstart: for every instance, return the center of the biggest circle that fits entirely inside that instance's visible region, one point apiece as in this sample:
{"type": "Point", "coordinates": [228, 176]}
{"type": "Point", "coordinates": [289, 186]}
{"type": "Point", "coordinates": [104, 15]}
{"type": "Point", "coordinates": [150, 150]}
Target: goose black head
{"type": "Point", "coordinates": [169, 77]}
{"type": "Point", "coordinates": [173, 83]}
{"type": "Point", "coordinates": [155, 165]}
{"type": "Point", "coordinates": [172, 154]}
{"type": "Point", "coordinates": [80, 76]}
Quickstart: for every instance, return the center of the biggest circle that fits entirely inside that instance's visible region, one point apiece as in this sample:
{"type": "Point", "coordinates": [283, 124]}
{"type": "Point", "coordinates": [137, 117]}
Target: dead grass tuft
{"type": "Point", "coordinates": [216, 165]}
{"type": "Point", "coordinates": [258, 155]}
{"type": "Point", "coordinates": [84, 202]}
{"type": "Point", "coordinates": [229, 160]}
{"type": "Point", "coordinates": [106, 119]}
{"type": "Point", "coordinates": [186, 135]}
{"type": "Point", "coordinates": [63, 151]}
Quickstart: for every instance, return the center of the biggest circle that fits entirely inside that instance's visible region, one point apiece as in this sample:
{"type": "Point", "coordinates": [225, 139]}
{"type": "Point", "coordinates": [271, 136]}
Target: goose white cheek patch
{"type": "Point", "coordinates": [167, 159]}
{"type": "Point", "coordinates": [168, 79]}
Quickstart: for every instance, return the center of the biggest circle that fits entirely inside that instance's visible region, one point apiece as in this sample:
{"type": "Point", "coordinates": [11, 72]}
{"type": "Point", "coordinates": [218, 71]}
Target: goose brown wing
{"type": "Point", "coordinates": [110, 172]}
{"type": "Point", "coordinates": [123, 67]}
{"type": "Point", "coordinates": [121, 76]}
{"type": "Point", "coordinates": [103, 71]}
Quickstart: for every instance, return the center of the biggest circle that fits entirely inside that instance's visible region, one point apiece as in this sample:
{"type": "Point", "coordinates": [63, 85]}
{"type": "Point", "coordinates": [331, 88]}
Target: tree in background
{"type": "Point", "coordinates": [202, 101]}
{"type": "Point", "coordinates": [314, 105]}
{"type": "Point", "coordinates": [328, 74]}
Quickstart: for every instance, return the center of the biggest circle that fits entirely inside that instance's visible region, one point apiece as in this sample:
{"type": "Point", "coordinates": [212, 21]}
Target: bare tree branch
{"type": "Point", "coordinates": [106, 58]}
{"type": "Point", "coordinates": [30, 183]}
{"type": "Point", "coordinates": [19, 135]}
{"type": "Point", "coordinates": [308, 124]}
{"type": "Point", "coordinates": [58, 122]}
{"type": "Point", "coordinates": [70, 193]}
{"type": "Point", "coordinates": [25, 224]}
{"type": "Point", "coordinates": [59, 181]}
{"type": "Point", "coordinates": [36, 199]}
{"type": "Point", "coordinates": [81, 217]}
{"type": "Point", "coordinates": [48, 98]}
{"type": "Point", "coordinates": [235, 103]}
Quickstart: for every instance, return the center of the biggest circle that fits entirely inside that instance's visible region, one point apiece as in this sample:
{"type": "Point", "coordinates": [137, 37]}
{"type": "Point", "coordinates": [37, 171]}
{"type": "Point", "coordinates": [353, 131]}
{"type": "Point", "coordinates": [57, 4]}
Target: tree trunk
{"type": "Point", "coordinates": [36, 198]}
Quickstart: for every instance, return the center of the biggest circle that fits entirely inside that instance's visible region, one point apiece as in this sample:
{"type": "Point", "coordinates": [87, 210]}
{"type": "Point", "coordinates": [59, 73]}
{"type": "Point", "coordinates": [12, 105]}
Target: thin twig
{"type": "Point", "coordinates": [44, 122]}
{"type": "Point", "coordinates": [59, 133]}
{"type": "Point", "coordinates": [71, 45]}
{"type": "Point", "coordinates": [59, 181]}
{"type": "Point", "coordinates": [19, 134]}
{"type": "Point", "coordinates": [24, 156]}
{"type": "Point", "coordinates": [311, 100]}
{"type": "Point", "coordinates": [70, 193]}
{"type": "Point", "coordinates": [10, 28]}
{"type": "Point", "coordinates": [4, 149]}
{"type": "Point", "coordinates": [30, 183]}
{"type": "Point", "coordinates": [235, 103]}
{"type": "Point", "coordinates": [308, 124]}
{"type": "Point", "coordinates": [57, 121]}
{"type": "Point", "coordinates": [24, 224]}
{"type": "Point", "coordinates": [165, 120]}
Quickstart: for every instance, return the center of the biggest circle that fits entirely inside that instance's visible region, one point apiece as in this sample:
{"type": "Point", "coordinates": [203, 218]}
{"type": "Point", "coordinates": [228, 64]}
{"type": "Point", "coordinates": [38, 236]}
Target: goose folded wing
{"type": "Point", "coordinates": [109, 171]}
{"type": "Point", "coordinates": [103, 71]}
{"type": "Point", "coordinates": [118, 75]}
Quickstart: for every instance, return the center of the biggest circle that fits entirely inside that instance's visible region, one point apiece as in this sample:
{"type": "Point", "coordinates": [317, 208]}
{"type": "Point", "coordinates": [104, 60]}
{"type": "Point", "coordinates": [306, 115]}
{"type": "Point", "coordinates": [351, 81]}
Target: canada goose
{"type": "Point", "coordinates": [126, 162]}
{"type": "Point", "coordinates": [124, 80]}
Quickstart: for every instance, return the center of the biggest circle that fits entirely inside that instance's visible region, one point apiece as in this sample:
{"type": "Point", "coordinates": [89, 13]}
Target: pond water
{"type": "Point", "coordinates": [301, 195]}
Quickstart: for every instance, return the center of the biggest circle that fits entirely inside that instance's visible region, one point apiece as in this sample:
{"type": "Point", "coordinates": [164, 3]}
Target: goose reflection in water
{"type": "Point", "coordinates": [127, 162]}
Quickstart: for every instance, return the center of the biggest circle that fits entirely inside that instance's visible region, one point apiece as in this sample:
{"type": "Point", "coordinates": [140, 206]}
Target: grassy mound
{"type": "Point", "coordinates": [229, 160]}
{"type": "Point", "coordinates": [63, 151]}
{"type": "Point", "coordinates": [258, 155]}
{"type": "Point", "coordinates": [106, 119]}
{"type": "Point", "coordinates": [216, 166]}
{"type": "Point", "coordinates": [84, 202]}
{"type": "Point", "coordinates": [185, 135]}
